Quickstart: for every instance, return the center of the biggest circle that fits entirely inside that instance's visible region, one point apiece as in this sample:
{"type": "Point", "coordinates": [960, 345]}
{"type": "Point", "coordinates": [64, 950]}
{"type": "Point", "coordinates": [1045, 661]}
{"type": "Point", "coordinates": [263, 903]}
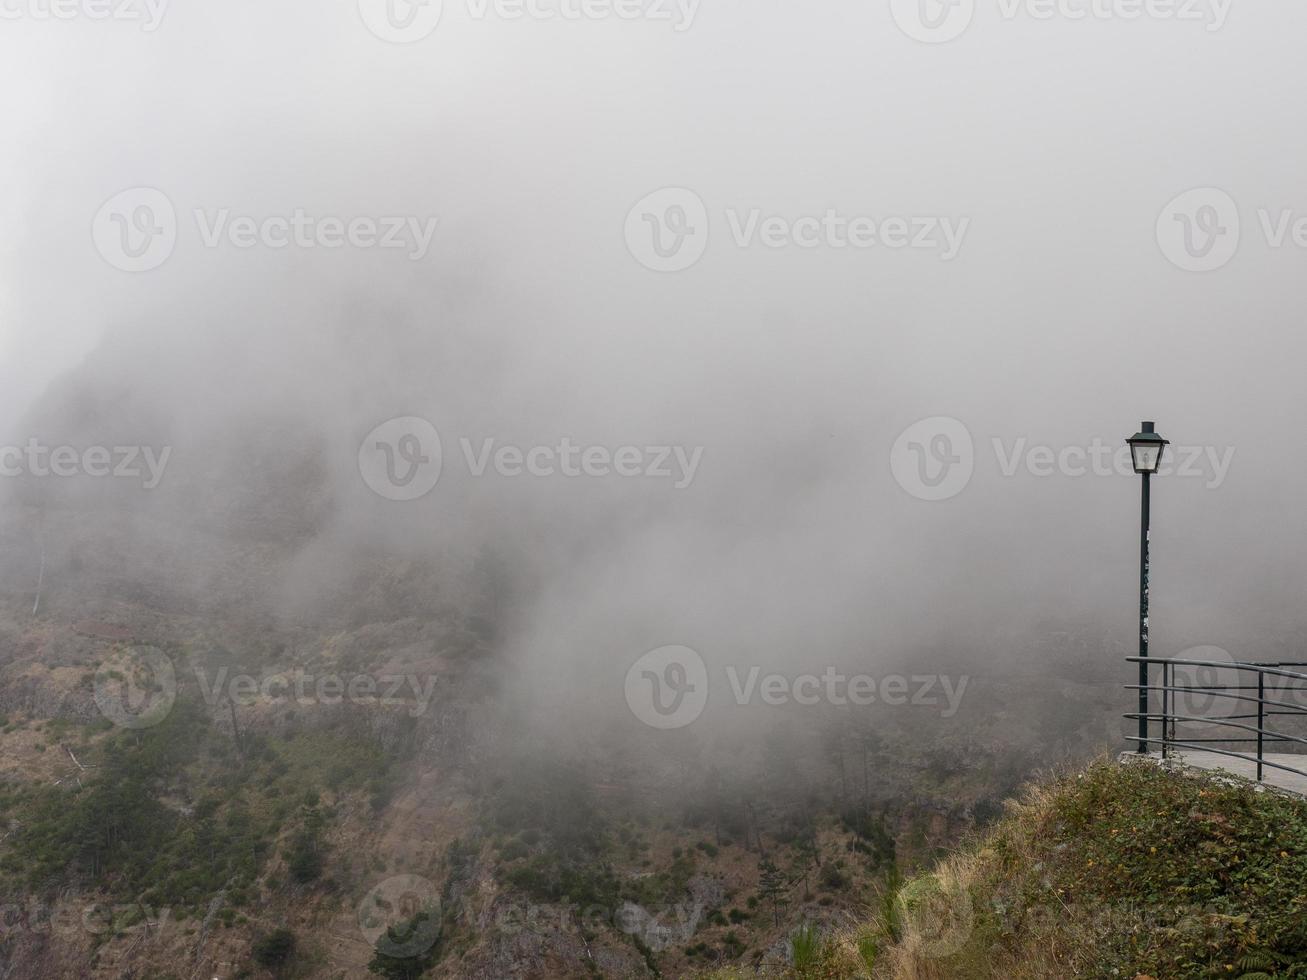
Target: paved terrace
{"type": "Point", "coordinates": [1243, 768]}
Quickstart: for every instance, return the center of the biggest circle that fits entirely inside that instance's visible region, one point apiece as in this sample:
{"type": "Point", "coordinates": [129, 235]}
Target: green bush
{"type": "Point", "coordinates": [406, 967]}
{"type": "Point", "coordinates": [274, 949]}
{"type": "Point", "coordinates": [804, 946]}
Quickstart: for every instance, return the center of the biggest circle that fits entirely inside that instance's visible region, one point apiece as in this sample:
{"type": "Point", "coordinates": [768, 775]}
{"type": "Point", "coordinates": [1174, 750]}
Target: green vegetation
{"type": "Point", "coordinates": [558, 851]}
{"type": "Point", "coordinates": [1122, 870]}
{"type": "Point", "coordinates": [1178, 877]}
{"type": "Point", "coordinates": [872, 837]}
{"type": "Point", "coordinates": [411, 939]}
{"type": "Point", "coordinates": [176, 814]}
{"type": "Point", "coordinates": [771, 887]}
{"type": "Point", "coordinates": [274, 950]}
{"type": "Point", "coordinates": [116, 831]}
{"type": "Point", "coordinates": [804, 946]}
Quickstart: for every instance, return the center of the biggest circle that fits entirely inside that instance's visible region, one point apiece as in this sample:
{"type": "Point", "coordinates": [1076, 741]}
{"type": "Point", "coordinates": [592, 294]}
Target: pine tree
{"type": "Point", "coordinates": [771, 886]}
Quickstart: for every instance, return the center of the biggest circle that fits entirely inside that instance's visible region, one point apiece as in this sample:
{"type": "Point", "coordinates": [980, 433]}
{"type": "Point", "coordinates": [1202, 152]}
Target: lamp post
{"type": "Point", "coordinates": [1146, 448]}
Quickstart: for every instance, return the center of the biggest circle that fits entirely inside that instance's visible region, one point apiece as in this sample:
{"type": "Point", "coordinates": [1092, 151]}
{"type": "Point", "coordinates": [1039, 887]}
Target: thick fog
{"type": "Point", "coordinates": [1033, 293]}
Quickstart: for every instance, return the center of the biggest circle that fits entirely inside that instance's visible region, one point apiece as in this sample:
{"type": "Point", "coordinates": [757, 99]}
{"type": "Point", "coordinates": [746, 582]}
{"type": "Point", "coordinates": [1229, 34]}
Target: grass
{"type": "Point", "coordinates": [804, 948]}
{"type": "Point", "coordinates": [1121, 870]}
{"type": "Point", "coordinates": [1117, 871]}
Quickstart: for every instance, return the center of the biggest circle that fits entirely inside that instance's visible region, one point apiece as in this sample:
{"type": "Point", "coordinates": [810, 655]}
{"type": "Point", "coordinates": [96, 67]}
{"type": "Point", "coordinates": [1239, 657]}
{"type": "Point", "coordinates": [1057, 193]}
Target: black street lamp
{"type": "Point", "coordinates": [1146, 448]}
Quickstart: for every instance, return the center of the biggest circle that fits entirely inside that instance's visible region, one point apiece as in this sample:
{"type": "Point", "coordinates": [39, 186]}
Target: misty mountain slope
{"type": "Point", "coordinates": [554, 835]}
{"type": "Point", "coordinates": [458, 796]}
{"type": "Point", "coordinates": [532, 489]}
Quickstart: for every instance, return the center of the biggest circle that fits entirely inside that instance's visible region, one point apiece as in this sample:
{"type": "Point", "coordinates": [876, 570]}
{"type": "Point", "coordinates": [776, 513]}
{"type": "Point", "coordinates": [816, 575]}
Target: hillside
{"type": "Point", "coordinates": [254, 828]}
{"type": "Point", "coordinates": [1116, 871]}
{"type": "Point", "coordinates": [183, 847]}
{"type": "Point", "coordinates": [485, 790]}
{"type": "Point", "coordinates": [196, 845]}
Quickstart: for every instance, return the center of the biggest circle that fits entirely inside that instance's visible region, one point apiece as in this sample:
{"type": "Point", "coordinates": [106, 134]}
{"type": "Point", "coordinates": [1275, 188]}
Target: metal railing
{"type": "Point", "coordinates": [1273, 691]}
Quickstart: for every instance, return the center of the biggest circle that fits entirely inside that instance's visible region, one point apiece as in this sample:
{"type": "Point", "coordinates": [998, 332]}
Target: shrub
{"type": "Point", "coordinates": [833, 878]}
{"type": "Point", "coordinates": [274, 949]}
{"type": "Point", "coordinates": [397, 938]}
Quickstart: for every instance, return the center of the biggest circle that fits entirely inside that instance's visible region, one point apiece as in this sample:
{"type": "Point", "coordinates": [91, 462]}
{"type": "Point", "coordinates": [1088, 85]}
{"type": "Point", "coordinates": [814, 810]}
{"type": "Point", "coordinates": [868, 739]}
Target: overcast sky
{"type": "Point", "coordinates": [1025, 269]}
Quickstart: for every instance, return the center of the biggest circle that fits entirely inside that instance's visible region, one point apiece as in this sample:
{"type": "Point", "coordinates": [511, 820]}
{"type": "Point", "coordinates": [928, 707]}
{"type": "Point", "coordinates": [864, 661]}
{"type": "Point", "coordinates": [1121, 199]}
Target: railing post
{"type": "Point", "coordinates": [1261, 719]}
{"type": "Point", "coordinates": [1166, 708]}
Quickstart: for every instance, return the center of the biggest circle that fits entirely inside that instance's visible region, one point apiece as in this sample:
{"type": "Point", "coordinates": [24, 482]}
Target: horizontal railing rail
{"type": "Point", "coordinates": [1274, 681]}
